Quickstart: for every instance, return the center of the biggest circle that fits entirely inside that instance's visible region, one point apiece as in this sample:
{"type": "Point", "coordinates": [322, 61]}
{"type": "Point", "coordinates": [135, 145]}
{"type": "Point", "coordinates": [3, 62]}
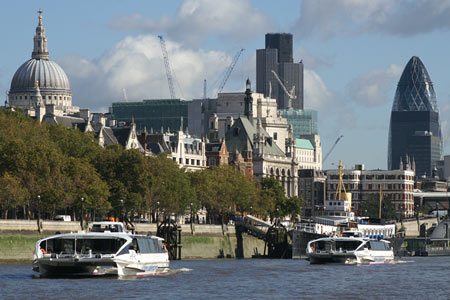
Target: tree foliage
{"type": "Point", "coordinates": [62, 165]}
{"type": "Point", "coordinates": [371, 208]}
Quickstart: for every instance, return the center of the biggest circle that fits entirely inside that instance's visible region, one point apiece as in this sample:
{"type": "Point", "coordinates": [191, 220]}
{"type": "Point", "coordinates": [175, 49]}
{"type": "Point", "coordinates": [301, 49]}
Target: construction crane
{"type": "Point", "coordinates": [331, 150]}
{"type": "Point", "coordinates": [167, 65]}
{"type": "Point", "coordinates": [291, 95]}
{"type": "Point", "coordinates": [229, 70]}
{"type": "Point", "coordinates": [125, 98]}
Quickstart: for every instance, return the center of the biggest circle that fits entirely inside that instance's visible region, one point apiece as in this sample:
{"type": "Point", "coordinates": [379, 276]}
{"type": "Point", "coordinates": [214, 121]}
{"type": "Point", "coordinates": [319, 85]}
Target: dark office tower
{"type": "Point", "coordinates": [283, 43]}
{"type": "Point", "coordinates": [415, 132]}
{"type": "Point", "coordinates": [277, 57]}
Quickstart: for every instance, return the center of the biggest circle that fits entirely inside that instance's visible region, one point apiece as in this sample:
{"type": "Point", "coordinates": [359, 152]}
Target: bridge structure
{"type": "Point", "coordinates": [277, 239]}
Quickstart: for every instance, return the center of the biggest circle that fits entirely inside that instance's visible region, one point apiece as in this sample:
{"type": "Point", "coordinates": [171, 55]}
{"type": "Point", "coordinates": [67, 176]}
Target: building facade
{"type": "Point", "coordinates": [278, 57]}
{"type": "Point", "coordinates": [415, 132]}
{"type": "Point", "coordinates": [157, 115]}
{"type": "Point", "coordinates": [396, 186]}
{"type": "Point", "coordinates": [264, 143]}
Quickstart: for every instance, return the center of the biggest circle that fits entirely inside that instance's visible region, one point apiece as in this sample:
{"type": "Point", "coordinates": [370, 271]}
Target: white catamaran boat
{"type": "Point", "coordinates": [349, 250]}
{"type": "Point", "coordinates": [106, 249]}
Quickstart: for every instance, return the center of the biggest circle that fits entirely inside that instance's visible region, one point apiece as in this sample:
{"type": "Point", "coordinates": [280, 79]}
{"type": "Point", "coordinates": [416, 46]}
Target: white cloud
{"type": "Point", "coordinates": [136, 64]}
{"type": "Point", "coordinates": [328, 18]}
{"type": "Point", "coordinates": [375, 87]}
{"type": "Point", "coordinates": [236, 20]}
{"type": "Point", "coordinates": [316, 93]}
{"type": "Point", "coordinates": [310, 61]}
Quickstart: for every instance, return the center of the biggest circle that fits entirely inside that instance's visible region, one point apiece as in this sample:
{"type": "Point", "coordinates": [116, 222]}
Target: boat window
{"type": "Point", "coordinates": [347, 245]}
{"type": "Point", "coordinates": [104, 246]}
{"type": "Point", "coordinates": [60, 246]}
{"type": "Point", "coordinates": [379, 245]}
{"type": "Point", "coordinates": [106, 227]}
{"type": "Point", "coordinates": [149, 245]}
{"type": "Point", "coordinates": [84, 246]}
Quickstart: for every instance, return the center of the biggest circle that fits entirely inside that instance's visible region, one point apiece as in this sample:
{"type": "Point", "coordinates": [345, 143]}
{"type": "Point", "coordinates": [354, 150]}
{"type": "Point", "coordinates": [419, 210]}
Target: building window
{"type": "Point", "coordinates": [275, 136]}
{"type": "Point", "coordinates": [198, 162]}
{"type": "Point", "coordinates": [187, 161]}
{"type": "Point", "coordinates": [193, 162]}
{"type": "Point", "coordinates": [212, 161]}
{"type": "Point", "coordinates": [25, 97]}
{"type": "Point", "coordinates": [180, 160]}
{"type": "Point", "coordinates": [175, 159]}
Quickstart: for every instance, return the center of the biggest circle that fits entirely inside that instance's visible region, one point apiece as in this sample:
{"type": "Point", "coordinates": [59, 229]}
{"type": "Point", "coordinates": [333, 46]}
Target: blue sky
{"type": "Point", "coordinates": [353, 50]}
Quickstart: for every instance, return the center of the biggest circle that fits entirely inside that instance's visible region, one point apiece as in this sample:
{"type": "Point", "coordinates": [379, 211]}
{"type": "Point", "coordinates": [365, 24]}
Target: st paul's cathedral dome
{"type": "Point", "coordinates": [41, 75]}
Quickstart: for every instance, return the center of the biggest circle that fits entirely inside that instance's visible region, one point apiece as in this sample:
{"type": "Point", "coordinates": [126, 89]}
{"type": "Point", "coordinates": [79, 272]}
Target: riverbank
{"type": "Point", "coordinates": [20, 246]}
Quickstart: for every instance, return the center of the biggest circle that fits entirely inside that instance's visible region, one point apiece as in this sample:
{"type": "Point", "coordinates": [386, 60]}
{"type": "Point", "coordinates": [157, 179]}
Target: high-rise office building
{"type": "Point", "coordinates": [415, 132]}
{"type": "Point", "coordinates": [278, 57]}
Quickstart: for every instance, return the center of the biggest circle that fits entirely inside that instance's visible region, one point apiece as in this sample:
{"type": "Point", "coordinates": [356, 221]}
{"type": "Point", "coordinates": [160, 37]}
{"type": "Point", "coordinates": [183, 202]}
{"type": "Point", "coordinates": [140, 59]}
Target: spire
{"type": "Point", "coordinates": [248, 101]}
{"type": "Point", "coordinates": [40, 41]}
{"type": "Point", "coordinates": [37, 95]}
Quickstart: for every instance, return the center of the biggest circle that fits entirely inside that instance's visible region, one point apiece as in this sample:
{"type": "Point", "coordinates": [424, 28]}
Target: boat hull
{"type": "Point", "coordinates": [330, 258]}
{"type": "Point", "coordinates": [136, 269]}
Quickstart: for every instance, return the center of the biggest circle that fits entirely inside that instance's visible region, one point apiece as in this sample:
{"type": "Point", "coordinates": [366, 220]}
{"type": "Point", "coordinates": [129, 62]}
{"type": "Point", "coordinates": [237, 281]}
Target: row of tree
{"type": "Point", "coordinates": [50, 168]}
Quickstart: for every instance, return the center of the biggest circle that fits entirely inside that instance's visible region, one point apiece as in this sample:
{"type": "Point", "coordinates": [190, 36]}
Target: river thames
{"type": "Point", "coordinates": [410, 278]}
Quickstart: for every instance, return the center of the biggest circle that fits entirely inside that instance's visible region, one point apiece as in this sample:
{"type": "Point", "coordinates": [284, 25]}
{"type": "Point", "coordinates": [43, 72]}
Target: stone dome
{"type": "Point", "coordinates": [50, 75]}
{"type": "Point", "coordinates": [40, 73]}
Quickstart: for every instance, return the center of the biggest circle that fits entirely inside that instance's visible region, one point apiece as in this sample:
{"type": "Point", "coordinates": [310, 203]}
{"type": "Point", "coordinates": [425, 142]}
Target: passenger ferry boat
{"type": "Point", "coordinates": [107, 249]}
{"type": "Point", "coordinates": [336, 218]}
{"type": "Point", "coordinates": [349, 250]}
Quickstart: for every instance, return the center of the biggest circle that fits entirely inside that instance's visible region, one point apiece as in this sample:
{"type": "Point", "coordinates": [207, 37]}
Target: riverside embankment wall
{"type": "Point", "coordinates": [18, 238]}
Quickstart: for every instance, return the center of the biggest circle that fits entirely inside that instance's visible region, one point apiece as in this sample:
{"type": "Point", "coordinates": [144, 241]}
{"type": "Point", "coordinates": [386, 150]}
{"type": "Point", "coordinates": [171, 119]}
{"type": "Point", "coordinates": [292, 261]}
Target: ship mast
{"type": "Point", "coordinates": [381, 200]}
{"type": "Point", "coordinates": [339, 195]}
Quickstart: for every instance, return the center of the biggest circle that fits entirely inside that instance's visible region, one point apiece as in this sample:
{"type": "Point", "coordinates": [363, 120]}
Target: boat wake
{"type": "Point", "coordinates": [180, 270]}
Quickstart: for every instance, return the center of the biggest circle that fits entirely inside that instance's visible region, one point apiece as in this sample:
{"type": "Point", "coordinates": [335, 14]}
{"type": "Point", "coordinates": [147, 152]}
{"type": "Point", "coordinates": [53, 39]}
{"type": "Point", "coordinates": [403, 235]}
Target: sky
{"type": "Point", "coordinates": [353, 51]}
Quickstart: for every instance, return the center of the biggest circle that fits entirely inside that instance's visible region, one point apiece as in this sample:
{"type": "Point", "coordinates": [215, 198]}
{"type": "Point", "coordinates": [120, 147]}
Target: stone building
{"type": "Point", "coordinates": [40, 74]}
{"type": "Point", "coordinates": [262, 143]}
{"type": "Point", "coordinates": [396, 186]}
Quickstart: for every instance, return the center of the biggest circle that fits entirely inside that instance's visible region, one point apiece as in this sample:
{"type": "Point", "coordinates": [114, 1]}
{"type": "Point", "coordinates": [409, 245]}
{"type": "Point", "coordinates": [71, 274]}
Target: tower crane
{"type": "Point", "coordinates": [229, 70]}
{"type": "Point", "coordinates": [167, 65]}
{"type": "Point", "coordinates": [291, 95]}
{"type": "Point", "coordinates": [331, 150]}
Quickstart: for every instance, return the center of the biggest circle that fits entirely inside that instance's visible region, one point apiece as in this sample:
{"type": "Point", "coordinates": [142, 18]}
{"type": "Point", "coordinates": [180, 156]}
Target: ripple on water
{"type": "Point", "coordinates": [408, 278]}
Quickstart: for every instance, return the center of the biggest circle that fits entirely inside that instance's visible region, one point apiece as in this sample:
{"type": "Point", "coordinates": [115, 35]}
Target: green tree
{"type": "Point", "coordinates": [370, 208]}
{"type": "Point", "coordinates": [170, 186]}
{"type": "Point", "coordinates": [12, 193]}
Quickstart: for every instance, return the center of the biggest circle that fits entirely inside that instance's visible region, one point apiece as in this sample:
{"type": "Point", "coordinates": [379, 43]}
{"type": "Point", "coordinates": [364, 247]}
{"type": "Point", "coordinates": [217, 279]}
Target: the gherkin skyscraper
{"type": "Point", "coordinates": [415, 132]}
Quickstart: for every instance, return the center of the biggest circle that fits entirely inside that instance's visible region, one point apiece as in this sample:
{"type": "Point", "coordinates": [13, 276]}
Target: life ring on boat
{"type": "Point", "coordinates": [43, 251]}
{"type": "Point", "coordinates": [312, 248]}
{"type": "Point", "coordinates": [165, 246]}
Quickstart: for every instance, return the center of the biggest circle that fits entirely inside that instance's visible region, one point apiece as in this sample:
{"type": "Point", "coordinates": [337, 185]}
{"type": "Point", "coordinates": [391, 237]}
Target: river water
{"type": "Point", "coordinates": [410, 278]}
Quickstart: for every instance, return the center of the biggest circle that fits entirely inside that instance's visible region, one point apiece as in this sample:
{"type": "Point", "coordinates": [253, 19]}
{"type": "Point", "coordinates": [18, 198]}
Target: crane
{"type": "Point", "coordinates": [125, 98]}
{"type": "Point", "coordinates": [291, 95]}
{"type": "Point", "coordinates": [331, 150]}
{"type": "Point", "coordinates": [167, 65]}
{"type": "Point", "coordinates": [229, 70]}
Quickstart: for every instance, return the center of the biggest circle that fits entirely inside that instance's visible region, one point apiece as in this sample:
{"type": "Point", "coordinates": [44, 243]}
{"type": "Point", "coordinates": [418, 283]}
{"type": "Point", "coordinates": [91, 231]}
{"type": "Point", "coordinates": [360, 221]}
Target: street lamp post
{"type": "Point", "coordinates": [82, 214]}
{"type": "Point", "coordinates": [121, 210]}
{"type": "Point", "coordinates": [192, 228]}
{"type": "Point", "coordinates": [157, 214]}
{"type": "Point", "coordinates": [39, 213]}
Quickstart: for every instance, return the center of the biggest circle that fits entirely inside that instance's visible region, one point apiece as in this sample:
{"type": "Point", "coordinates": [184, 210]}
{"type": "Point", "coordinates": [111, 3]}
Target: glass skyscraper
{"type": "Point", "coordinates": [415, 132]}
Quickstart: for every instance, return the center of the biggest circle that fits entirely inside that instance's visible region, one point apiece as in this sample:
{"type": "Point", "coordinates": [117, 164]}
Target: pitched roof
{"type": "Point", "coordinates": [122, 134]}
{"type": "Point", "coordinates": [240, 137]}
{"type": "Point", "coordinates": [108, 135]}
{"type": "Point", "coordinates": [303, 144]}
